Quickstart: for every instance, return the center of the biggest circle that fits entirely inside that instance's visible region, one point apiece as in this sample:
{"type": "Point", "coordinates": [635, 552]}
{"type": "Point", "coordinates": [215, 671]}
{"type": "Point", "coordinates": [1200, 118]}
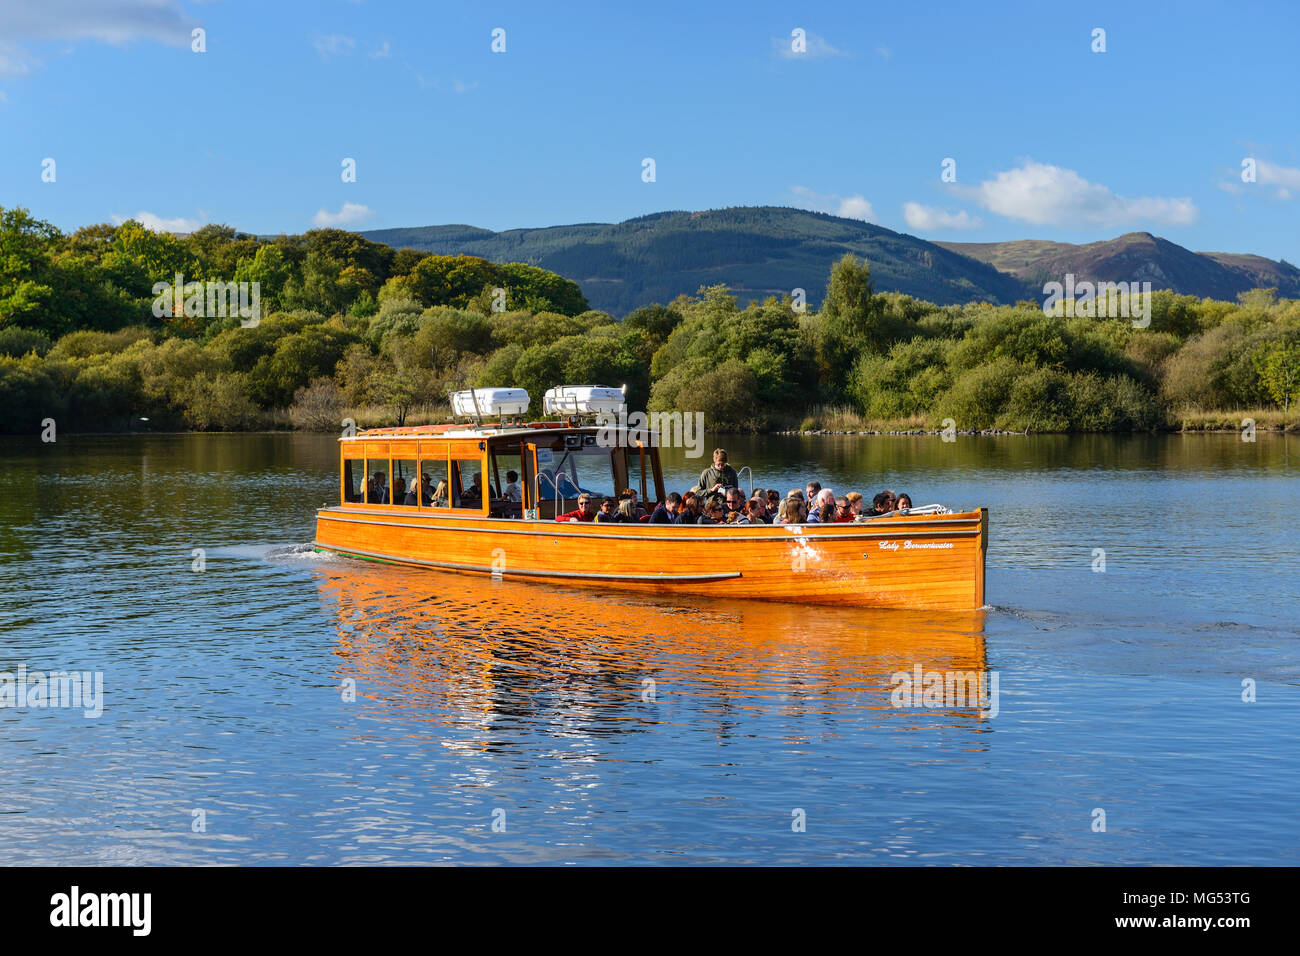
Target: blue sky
{"type": "Point", "coordinates": [1050, 139]}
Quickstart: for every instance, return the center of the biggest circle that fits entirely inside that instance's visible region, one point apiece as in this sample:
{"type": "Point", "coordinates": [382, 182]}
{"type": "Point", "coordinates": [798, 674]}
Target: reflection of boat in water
{"type": "Point", "coordinates": [434, 497]}
{"type": "Point", "coordinates": [455, 648]}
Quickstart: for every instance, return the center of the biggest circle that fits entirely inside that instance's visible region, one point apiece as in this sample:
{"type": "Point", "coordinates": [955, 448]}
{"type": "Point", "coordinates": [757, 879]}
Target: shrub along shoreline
{"type": "Point", "coordinates": [352, 326]}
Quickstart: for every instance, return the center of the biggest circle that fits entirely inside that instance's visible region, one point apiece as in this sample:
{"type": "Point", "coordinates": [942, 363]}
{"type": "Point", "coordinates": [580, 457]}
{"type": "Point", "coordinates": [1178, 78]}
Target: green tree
{"type": "Point", "coordinates": [851, 317]}
{"type": "Point", "coordinates": [299, 358]}
{"type": "Point", "coordinates": [452, 280]}
{"type": "Point", "coordinates": [25, 246]}
{"type": "Point", "coordinates": [269, 269]}
{"type": "Point", "coordinates": [219, 402]}
{"type": "Point", "coordinates": [657, 321]}
{"type": "Point", "coordinates": [1279, 372]}
{"type": "Point", "coordinates": [537, 290]}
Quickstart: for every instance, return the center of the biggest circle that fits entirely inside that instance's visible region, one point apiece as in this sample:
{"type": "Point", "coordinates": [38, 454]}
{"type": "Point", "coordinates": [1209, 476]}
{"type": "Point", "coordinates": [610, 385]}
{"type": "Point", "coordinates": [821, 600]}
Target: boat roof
{"type": "Point", "coordinates": [471, 430]}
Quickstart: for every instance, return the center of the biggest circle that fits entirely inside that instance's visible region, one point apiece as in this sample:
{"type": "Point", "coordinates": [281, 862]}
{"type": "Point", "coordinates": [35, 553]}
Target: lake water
{"type": "Point", "coordinates": [594, 728]}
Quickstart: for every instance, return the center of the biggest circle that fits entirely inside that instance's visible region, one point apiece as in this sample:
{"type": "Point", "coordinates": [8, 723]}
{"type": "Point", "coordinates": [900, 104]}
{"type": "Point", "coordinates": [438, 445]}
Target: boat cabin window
{"type": "Point", "coordinates": [354, 474]}
{"type": "Point", "coordinates": [507, 496]}
{"type": "Point", "coordinates": [406, 481]}
{"type": "Point", "coordinates": [569, 471]}
{"type": "Point", "coordinates": [436, 469]}
{"type": "Point", "coordinates": [467, 483]}
{"type": "Point", "coordinates": [378, 485]}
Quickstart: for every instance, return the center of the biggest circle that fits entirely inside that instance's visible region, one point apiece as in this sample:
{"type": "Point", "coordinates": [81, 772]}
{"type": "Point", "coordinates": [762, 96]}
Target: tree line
{"type": "Point", "coordinates": [356, 327]}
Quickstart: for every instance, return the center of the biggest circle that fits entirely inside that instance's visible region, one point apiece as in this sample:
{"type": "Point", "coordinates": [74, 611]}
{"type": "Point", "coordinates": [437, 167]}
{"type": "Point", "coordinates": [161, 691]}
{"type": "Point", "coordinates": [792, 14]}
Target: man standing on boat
{"type": "Point", "coordinates": [718, 477]}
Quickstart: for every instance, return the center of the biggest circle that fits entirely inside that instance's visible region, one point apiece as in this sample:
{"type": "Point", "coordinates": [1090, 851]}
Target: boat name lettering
{"type": "Point", "coordinates": [910, 545]}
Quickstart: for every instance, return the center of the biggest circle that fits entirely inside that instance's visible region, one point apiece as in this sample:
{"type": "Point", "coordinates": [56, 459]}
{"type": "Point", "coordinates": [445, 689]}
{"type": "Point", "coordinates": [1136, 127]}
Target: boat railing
{"type": "Point", "coordinates": [922, 510]}
{"type": "Point", "coordinates": [744, 469]}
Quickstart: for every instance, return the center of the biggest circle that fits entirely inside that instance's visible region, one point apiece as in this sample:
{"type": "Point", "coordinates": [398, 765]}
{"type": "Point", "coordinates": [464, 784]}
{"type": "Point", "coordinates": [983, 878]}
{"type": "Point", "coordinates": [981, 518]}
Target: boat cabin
{"type": "Point", "coordinates": [462, 469]}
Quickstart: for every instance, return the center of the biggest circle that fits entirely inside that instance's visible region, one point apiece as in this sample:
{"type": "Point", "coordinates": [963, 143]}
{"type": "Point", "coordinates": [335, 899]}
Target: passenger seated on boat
{"type": "Point", "coordinates": [637, 507]}
{"type": "Point", "coordinates": [669, 512]}
{"type": "Point", "coordinates": [739, 516]}
{"type": "Point", "coordinates": [424, 491]}
{"type": "Point", "coordinates": [823, 507]}
{"type": "Point", "coordinates": [793, 494]}
{"type": "Point", "coordinates": [714, 512]}
{"type": "Point", "coordinates": [855, 503]}
{"type": "Point", "coordinates": [883, 503]}
{"type": "Point", "coordinates": [399, 491]}
{"type": "Point", "coordinates": [440, 495]}
{"type": "Point", "coordinates": [843, 510]}
{"type": "Point", "coordinates": [773, 504]}
{"type": "Point", "coordinates": [903, 502]}
{"type": "Point", "coordinates": [513, 491]}
{"type": "Point", "coordinates": [475, 490]}
{"type": "Point", "coordinates": [692, 508]}
{"type": "Point", "coordinates": [813, 488]}
{"type": "Point", "coordinates": [586, 510]}
{"type": "Point", "coordinates": [607, 512]}
{"type": "Point", "coordinates": [376, 489]}
{"type": "Point", "coordinates": [735, 502]}
{"type": "Point", "coordinates": [627, 512]}
{"type": "Point", "coordinates": [791, 512]}
{"type": "Point", "coordinates": [720, 475]}
{"type": "Point", "coordinates": [756, 509]}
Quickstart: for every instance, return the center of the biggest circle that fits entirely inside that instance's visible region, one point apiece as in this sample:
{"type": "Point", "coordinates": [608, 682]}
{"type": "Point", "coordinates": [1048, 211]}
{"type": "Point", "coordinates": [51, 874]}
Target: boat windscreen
{"type": "Point", "coordinates": [577, 470]}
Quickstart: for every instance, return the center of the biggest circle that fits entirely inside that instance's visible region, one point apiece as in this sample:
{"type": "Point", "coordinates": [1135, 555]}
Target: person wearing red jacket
{"type": "Point", "coordinates": [585, 511]}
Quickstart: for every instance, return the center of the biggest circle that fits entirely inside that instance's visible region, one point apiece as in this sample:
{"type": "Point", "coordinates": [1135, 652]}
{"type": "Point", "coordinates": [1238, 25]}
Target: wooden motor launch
{"type": "Point", "coordinates": [464, 516]}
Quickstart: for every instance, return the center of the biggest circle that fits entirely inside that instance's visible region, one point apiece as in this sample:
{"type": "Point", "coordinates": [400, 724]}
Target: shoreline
{"type": "Point", "coordinates": [1208, 429]}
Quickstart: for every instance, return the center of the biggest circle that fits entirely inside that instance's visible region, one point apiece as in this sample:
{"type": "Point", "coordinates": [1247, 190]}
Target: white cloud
{"type": "Point", "coordinates": [1284, 177]}
{"type": "Point", "coordinates": [856, 207]}
{"type": "Point", "coordinates": [333, 44]}
{"type": "Point", "coordinates": [4, 97]}
{"type": "Point", "coordinates": [815, 48]}
{"type": "Point", "coordinates": [105, 21]}
{"type": "Point", "coordinates": [850, 207]}
{"type": "Point", "coordinates": [458, 87]}
{"type": "Point", "coordinates": [160, 224]}
{"type": "Point", "coordinates": [350, 214]}
{"type": "Point", "coordinates": [382, 53]}
{"type": "Point", "coordinates": [932, 217]}
{"type": "Point", "coordinates": [1052, 196]}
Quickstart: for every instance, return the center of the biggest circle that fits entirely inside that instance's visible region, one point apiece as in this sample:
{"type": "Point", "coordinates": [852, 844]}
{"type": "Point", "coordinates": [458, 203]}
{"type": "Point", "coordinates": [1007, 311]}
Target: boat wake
{"type": "Point", "coordinates": [276, 553]}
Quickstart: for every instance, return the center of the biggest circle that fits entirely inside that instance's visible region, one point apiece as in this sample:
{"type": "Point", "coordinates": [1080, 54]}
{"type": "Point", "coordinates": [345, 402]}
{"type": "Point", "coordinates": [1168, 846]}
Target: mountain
{"type": "Point", "coordinates": [1136, 256]}
{"type": "Point", "coordinates": [769, 250]}
{"type": "Point", "coordinates": [757, 251]}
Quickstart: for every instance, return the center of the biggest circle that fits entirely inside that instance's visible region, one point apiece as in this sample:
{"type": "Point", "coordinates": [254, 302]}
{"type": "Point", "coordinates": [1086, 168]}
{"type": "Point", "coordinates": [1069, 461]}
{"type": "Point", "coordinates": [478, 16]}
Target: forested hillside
{"type": "Point", "coordinates": [352, 328]}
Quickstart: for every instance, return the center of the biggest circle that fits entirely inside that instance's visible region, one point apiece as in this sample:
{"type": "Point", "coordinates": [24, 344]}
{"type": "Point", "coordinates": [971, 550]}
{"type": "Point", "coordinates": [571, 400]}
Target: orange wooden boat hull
{"type": "Point", "coordinates": [916, 561]}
